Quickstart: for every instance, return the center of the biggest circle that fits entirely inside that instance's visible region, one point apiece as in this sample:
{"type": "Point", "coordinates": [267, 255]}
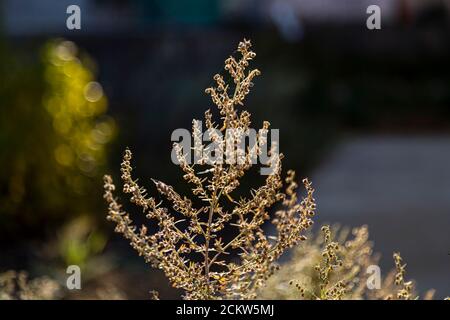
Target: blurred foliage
{"type": "Point", "coordinates": [53, 133]}
{"type": "Point", "coordinates": [17, 286]}
{"type": "Point", "coordinates": [80, 240]}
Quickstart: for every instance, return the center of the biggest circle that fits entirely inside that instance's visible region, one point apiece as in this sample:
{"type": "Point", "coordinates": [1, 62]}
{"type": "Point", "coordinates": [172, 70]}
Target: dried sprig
{"type": "Point", "coordinates": [333, 267]}
{"type": "Point", "coordinates": [330, 262]}
{"type": "Point", "coordinates": [329, 266]}
{"type": "Point", "coordinates": [404, 289]}
{"type": "Point", "coordinates": [191, 250]}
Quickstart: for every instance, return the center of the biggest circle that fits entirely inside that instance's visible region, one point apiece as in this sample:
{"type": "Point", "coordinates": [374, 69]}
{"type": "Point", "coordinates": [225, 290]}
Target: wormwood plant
{"type": "Point", "coordinates": [189, 244]}
{"type": "Point", "coordinates": [334, 266]}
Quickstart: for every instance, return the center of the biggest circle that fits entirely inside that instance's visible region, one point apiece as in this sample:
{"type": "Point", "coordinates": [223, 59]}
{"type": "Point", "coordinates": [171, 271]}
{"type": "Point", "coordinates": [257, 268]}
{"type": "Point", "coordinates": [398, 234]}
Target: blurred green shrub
{"type": "Point", "coordinates": [79, 240]}
{"type": "Point", "coordinates": [53, 136]}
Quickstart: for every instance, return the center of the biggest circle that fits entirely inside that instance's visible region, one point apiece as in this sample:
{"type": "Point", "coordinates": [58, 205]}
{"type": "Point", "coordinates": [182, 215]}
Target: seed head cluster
{"type": "Point", "coordinates": [189, 243]}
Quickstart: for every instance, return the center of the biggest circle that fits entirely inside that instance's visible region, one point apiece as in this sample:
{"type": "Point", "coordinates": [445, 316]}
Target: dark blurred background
{"type": "Point", "coordinates": [364, 113]}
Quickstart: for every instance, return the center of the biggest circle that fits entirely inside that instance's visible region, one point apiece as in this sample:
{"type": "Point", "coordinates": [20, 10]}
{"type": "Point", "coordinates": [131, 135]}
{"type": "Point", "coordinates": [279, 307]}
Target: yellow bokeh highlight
{"type": "Point", "coordinates": [64, 155]}
{"type": "Point", "coordinates": [76, 103]}
{"type": "Point", "coordinates": [93, 91]}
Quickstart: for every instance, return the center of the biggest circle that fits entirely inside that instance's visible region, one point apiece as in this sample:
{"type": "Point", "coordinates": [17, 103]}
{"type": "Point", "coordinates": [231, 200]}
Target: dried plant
{"type": "Point", "coordinates": [16, 286]}
{"type": "Point", "coordinates": [330, 262]}
{"type": "Point", "coordinates": [329, 266]}
{"type": "Point", "coordinates": [404, 289]}
{"type": "Point", "coordinates": [332, 267]}
{"type": "Point", "coordinates": [189, 245]}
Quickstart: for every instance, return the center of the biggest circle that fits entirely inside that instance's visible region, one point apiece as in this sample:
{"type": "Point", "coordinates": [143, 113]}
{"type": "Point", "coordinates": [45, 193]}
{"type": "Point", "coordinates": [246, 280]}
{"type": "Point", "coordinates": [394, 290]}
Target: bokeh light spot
{"type": "Point", "coordinates": [93, 91]}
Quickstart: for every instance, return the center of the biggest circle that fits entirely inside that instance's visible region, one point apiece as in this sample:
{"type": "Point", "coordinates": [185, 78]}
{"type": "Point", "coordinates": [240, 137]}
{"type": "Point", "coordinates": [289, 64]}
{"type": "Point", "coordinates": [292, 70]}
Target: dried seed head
{"type": "Point", "coordinates": [173, 248]}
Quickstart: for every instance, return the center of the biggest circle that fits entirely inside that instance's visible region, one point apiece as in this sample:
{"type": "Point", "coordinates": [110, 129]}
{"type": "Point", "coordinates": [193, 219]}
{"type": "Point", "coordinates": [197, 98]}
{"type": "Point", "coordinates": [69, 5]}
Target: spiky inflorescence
{"type": "Point", "coordinates": [332, 267]}
{"type": "Point", "coordinates": [404, 290]}
{"type": "Point", "coordinates": [327, 267]}
{"type": "Point", "coordinates": [194, 257]}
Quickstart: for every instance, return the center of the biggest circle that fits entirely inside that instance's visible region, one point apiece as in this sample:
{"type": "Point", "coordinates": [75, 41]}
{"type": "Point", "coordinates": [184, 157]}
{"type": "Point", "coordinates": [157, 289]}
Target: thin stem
{"type": "Point", "coordinates": [214, 202]}
{"type": "Point", "coordinates": [208, 238]}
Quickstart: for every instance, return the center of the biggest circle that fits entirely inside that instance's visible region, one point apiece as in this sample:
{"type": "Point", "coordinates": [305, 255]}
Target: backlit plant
{"type": "Point", "coordinates": [334, 266]}
{"type": "Point", "coordinates": [189, 244]}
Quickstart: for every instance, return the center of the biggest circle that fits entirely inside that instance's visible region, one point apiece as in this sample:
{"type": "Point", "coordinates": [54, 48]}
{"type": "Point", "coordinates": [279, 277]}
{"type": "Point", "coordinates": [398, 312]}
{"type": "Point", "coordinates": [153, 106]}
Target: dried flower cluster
{"type": "Point", "coordinates": [333, 267]}
{"type": "Point", "coordinates": [190, 245]}
{"type": "Point", "coordinates": [405, 288]}
{"type": "Point", "coordinates": [329, 266]}
{"type": "Point", "coordinates": [330, 262]}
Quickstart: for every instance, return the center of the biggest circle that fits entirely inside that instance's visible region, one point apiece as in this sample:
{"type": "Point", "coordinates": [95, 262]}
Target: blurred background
{"type": "Point", "coordinates": [364, 113]}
